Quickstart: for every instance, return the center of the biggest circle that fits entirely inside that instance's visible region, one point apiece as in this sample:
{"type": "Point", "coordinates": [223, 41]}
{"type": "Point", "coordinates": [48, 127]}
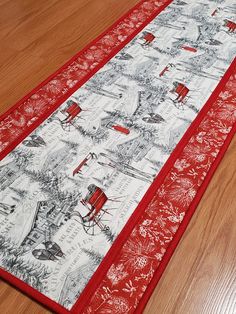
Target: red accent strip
{"type": "Point", "coordinates": [189, 48]}
{"type": "Point", "coordinates": [121, 129]}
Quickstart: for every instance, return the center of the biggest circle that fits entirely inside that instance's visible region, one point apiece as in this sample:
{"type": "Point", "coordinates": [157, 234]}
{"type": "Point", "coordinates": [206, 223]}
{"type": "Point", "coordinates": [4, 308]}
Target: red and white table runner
{"type": "Point", "coordinates": [103, 164]}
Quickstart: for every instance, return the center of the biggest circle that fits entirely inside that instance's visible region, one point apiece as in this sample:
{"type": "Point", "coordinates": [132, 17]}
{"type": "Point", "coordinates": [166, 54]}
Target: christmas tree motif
{"type": "Point", "coordinates": [60, 158]}
{"type": "Point", "coordinates": [156, 164]}
{"type": "Point", "coordinates": [118, 67]}
{"type": "Point", "coordinates": [166, 19]}
{"type": "Point", "coordinates": [51, 184]}
{"type": "Point", "coordinates": [94, 257]}
{"type": "Point", "coordinates": [97, 137]}
{"type": "Point", "coordinates": [9, 172]}
{"type": "Point", "coordinates": [117, 115]}
{"type": "Point", "coordinates": [70, 145]}
{"type": "Point", "coordinates": [34, 274]}
{"type": "Point", "coordinates": [22, 157]}
{"type": "Point", "coordinates": [147, 81]}
{"type": "Point", "coordinates": [172, 51]}
{"type": "Point", "coordinates": [110, 236]}
{"type": "Point", "coordinates": [100, 82]}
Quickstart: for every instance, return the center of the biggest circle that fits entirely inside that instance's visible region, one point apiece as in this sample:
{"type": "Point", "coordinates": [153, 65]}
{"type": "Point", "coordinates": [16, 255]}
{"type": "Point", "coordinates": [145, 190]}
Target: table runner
{"type": "Point", "coordinates": [99, 181]}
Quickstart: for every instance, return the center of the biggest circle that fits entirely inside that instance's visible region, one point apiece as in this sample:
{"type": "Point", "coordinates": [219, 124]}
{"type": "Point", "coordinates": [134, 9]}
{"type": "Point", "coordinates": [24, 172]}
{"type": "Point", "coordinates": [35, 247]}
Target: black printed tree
{"type": "Point", "coordinates": [33, 273]}
{"type": "Point", "coordinates": [97, 137]}
{"type": "Point", "coordinates": [22, 157]}
{"type": "Point", "coordinates": [95, 257]}
{"type": "Point", "coordinates": [110, 236]}
{"type": "Point", "coordinates": [50, 184]}
{"type": "Point", "coordinates": [70, 145]}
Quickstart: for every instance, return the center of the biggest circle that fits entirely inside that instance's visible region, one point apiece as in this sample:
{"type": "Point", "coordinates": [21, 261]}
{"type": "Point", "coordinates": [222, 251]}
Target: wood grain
{"type": "Point", "coordinates": [36, 38]}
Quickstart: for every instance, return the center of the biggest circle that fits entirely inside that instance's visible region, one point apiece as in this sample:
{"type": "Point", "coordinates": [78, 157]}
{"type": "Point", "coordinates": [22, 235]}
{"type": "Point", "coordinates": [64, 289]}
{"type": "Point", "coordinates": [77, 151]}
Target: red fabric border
{"type": "Point", "coordinates": [138, 212]}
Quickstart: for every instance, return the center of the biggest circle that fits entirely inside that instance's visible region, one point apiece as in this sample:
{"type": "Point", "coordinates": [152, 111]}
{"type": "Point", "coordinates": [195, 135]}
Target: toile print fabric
{"type": "Point", "coordinates": [69, 188]}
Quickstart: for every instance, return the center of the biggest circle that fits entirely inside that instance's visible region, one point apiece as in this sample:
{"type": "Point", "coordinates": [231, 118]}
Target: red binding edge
{"type": "Point", "coordinates": [122, 237]}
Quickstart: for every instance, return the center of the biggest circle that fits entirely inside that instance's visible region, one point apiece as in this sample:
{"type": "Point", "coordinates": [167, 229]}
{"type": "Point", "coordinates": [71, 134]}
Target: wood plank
{"type": "Point", "coordinates": [43, 42]}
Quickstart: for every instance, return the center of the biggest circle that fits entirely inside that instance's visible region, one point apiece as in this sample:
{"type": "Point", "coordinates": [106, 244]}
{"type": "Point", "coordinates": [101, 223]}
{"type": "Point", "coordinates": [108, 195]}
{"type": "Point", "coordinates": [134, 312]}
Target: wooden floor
{"type": "Point", "coordinates": [37, 37]}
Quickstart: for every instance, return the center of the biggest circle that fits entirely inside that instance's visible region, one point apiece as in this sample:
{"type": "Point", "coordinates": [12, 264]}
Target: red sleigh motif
{"type": "Point", "coordinates": [94, 202]}
{"type": "Point", "coordinates": [230, 25]}
{"type": "Point", "coordinates": [148, 39]}
{"type": "Point", "coordinates": [181, 90]}
{"type": "Point", "coordinates": [72, 113]}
